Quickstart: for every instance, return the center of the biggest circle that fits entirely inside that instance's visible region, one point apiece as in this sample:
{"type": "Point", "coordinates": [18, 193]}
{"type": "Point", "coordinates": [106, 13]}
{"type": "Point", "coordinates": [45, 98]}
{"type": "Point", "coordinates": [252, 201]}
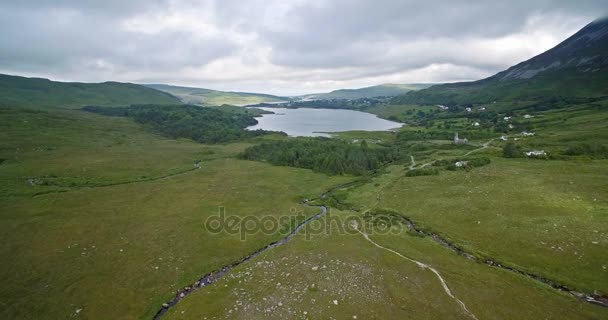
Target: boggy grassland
{"type": "Point", "coordinates": [103, 217]}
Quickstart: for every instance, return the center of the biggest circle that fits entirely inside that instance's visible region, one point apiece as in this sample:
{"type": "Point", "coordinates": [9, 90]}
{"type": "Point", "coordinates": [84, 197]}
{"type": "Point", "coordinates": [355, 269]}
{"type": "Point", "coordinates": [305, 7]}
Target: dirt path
{"type": "Point", "coordinates": [423, 266]}
{"type": "Point", "coordinates": [587, 297]}
{"type": "Point", "coordinates": [69, 189]}
{"type": "Point", "coordinates": [483, 146]}
{"type": "Point", "coordinates": [591, 298]}
{"type": "Point", "coordinates": [413, 165]}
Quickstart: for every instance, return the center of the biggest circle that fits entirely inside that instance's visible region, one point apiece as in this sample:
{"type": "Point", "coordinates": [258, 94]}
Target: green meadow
{"type": "Point", "coordinates": [114, 223]}
{"type": "Point", "coordinates": [343, 276]}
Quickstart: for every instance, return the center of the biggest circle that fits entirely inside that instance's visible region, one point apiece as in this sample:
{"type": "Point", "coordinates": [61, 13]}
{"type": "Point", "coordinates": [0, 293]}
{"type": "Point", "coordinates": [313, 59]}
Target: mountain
{"type": "Point", "coordinates": [209, 97]}
{"type": "Point", "coordinates": [383, 90]}
{"type": "Point", "coordinates": [575, 68]}
{"type": "Point", "coordinates": [44, 93]}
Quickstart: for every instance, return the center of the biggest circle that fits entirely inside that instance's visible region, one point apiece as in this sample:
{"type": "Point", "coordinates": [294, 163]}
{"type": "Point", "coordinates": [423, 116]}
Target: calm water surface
{"type": "Point", "coordinates": [318, 122]}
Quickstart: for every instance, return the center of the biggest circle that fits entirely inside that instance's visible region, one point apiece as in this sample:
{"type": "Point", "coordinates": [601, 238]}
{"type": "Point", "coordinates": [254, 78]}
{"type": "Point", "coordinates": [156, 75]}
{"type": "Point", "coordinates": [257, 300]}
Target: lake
{"type": "Point", "coordinates": [309, 122]}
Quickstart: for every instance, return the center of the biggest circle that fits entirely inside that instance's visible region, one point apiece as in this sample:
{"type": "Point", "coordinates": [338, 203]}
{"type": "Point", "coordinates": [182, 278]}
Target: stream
{"type": "Point", "coordinates": [214, 276]}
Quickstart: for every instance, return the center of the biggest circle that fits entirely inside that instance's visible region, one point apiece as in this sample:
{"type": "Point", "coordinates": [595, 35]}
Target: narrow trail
{"type": "Point", "coordinates": [413, 165]}
{"type": "Point", "coordinates": [483, 146]}
{"type": "Point", "coordinates": [423, 266]}
{"type": "Point", "coordinates": [492, 262]}
{"type": "Point", "coordinates": [70, 189]}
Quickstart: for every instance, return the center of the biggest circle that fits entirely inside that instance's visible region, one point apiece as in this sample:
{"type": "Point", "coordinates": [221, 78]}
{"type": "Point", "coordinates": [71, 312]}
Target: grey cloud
{"type": "Point", "coordinates": [314, 41]}
{"type": "Point", "coordinates": [57, 37]}
{"type": "Point", "coordinates": [332, 35]}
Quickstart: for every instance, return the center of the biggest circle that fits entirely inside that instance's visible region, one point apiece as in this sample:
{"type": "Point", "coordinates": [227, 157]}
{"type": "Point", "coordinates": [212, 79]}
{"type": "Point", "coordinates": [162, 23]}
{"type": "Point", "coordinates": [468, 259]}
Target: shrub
{"type": "Point", "coordinates": [596, 151]}
{"type": "Point", "coordinates": [511, 150]}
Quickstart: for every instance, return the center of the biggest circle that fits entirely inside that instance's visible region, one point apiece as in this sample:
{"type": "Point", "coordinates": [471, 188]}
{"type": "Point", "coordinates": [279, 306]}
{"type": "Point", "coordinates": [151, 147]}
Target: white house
{"type": "Point", "coordinates": [475, 124]}
{"type": "Point", "coordinates": [482, 108]}
{"type": "Point", "coordinates": [528, 134]}
{"type": "Point", "coordinates": [461, 164]}
{"type": "Point", "coordinates": [504, 138]}
{"type": "Point", "coordinates": [527, 116]}
{"type": "Point", "coordinates": [536, 153]}
{"type": "Point", "coordinates": [507, 118]}
{"type": "Point", "coordinates": [442, 107]}
{"type": "Point", "coordinates": [469, 109]}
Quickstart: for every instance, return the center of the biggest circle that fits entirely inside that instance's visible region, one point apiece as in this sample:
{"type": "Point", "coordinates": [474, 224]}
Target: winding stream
{"type": "Point", "coordinates": [214, 276]}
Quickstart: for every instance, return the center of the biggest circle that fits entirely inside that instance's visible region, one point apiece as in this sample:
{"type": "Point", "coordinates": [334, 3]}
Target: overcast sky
{"type": "Point", "coordinates": [281, 46]}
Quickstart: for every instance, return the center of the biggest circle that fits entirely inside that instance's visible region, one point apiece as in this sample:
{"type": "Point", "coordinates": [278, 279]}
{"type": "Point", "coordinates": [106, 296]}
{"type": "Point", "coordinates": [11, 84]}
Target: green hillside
{"type": "Point", "coordinates": [559, 83]}
{"type": "Point", "coordinates": [383, 90]}
{"type": "Point", "coordinates": [210, 97]}
{"type": "Point", "coordinates": [44, 93]}
{"type": "Point", "coordinates": [573, 69]}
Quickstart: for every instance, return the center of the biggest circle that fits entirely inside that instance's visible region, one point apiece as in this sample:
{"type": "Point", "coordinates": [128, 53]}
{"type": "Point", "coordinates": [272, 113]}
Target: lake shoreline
{"type": "Point", "coordinates": [320, 122]}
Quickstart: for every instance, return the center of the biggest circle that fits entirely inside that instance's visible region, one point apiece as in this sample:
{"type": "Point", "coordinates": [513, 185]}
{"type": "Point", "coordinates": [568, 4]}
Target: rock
{"type": "Point", "coordinates": [165, 305]}
{"type": "Point", "coordinates": [335, 302]}
{"type": "Point", "coordinates": [315, 268]}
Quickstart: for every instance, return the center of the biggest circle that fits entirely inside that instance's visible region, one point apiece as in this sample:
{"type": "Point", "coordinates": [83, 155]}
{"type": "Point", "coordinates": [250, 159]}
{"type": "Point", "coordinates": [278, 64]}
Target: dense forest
{"type": "Point", "coordinates": [205, 125]}
{"type": "Point", "coordinates": [325, 155]}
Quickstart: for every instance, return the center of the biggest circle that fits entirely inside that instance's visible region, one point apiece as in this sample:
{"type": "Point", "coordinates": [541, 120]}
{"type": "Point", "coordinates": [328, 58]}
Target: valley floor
{"type": "Point", "coordinates": [102, 219]}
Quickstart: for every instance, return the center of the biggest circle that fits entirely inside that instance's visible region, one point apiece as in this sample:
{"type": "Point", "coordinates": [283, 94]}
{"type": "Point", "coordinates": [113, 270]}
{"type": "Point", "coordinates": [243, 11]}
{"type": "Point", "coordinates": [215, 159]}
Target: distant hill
{"type": "Point", "coordinates": [209, 97]}
{"type": "Point", "coordinates": [383, 90]}
{"type": "Point", "coordinates": [577, 67]}
{"type": "Point", "coordinates": [44, 93]}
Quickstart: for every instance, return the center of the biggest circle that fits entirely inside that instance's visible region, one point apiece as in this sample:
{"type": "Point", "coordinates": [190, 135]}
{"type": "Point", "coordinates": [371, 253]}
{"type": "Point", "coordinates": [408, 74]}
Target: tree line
{"type": "Point", "coordinates": [330, 156]}
{"type": "Point", "coordinates": [204, 125]}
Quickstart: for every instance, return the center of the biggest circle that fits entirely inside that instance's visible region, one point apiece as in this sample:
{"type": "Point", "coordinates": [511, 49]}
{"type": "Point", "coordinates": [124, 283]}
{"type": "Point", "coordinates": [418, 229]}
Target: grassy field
{"type": "Point", "coordinates": [119, 251]}
{"type": "Point", "coordinates": [103, 218]}
{"type": "Point", "coordinates": [546, 217]}
{"type": "Point", "coordinates": [343, 276]}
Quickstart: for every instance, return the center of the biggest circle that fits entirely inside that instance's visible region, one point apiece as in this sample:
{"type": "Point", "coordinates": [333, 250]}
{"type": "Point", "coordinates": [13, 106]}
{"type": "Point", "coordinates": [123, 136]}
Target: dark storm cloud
{"type": "Point", "coordinates": [321, 43]}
